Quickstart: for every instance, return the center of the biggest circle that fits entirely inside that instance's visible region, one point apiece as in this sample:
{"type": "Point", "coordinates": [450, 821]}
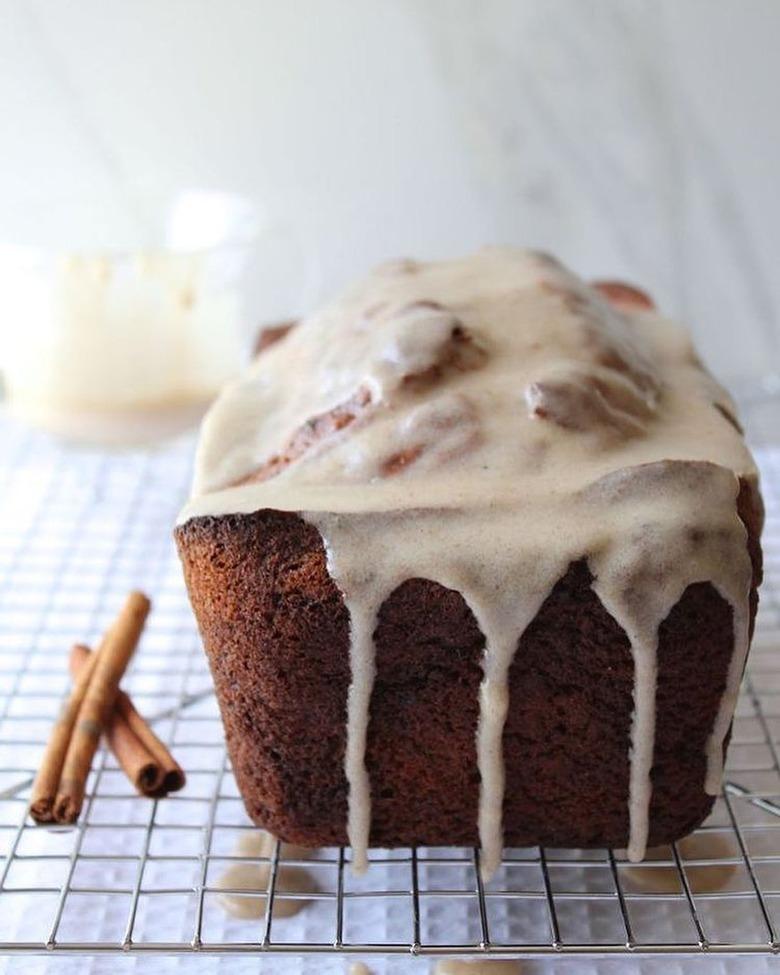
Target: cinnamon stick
{"type": "Point", "coordinates": [47, 780]}
{"type": "Point", "coordinates": [93, 715]}
{"type": "Point", "coordinates": [143, 757]}
{"type": "Point", "coordinates": [173, 775]}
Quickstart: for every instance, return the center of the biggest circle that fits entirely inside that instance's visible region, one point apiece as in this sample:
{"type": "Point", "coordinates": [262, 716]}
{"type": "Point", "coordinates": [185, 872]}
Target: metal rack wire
{"type": "Point", "coordinates": [77, 530]}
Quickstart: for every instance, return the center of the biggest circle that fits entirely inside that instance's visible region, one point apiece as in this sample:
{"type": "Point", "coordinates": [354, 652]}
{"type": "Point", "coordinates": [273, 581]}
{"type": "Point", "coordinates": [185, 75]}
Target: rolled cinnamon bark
{"type": "Point", "coordinates": [112, 659]}
{"type": "Point", "coordinates": [134, 759]}
{"type": "Point", "coordinates": [47, 780]}
{"type": "Point", "coordinates": [142, 756]}
{"type": "Point", "coordinates": [173, 777]}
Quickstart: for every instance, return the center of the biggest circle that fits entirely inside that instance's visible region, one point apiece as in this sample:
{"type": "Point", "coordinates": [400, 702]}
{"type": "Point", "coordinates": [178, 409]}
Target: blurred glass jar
{"type": "Point", "coordinates": [130, 343]}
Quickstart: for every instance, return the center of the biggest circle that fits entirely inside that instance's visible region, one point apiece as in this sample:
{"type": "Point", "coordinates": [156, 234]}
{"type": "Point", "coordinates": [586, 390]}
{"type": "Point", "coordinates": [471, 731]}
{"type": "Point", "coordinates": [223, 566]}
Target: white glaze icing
{"type": "Point", "coordinates": [484, 423]}
{"type": "Point", "coordinates": [245, 882]}
{"type": "Point", "coordinates": [720, 849]}
{"type": "Point", "coordinates": [452, 966]}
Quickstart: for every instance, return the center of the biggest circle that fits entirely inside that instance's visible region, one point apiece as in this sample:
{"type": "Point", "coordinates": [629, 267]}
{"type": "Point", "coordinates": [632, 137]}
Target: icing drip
{"type": "Point", "coordinates": [244, 884]}
{"type": "Point", "coordinates": [365, 595]}
{"type": "Point", "coordinates": [716, 847]}
{"type": "Point", "coordinates": [640, 583]}
{"type": "Point", "coordinates": [359, 968]}
{"type": "Point", "coordinates": [451, 966]}
{"type": "Point", "coordinates": [502, 622]}
{"type": "Point", "coordinates": [361, 657]}
{"type": "Point", "coordinates": [483, 424]}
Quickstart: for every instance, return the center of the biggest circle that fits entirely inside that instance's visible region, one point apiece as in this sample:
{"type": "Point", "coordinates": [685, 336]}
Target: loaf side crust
{"type": "Point", "coordinates": [276, 632]}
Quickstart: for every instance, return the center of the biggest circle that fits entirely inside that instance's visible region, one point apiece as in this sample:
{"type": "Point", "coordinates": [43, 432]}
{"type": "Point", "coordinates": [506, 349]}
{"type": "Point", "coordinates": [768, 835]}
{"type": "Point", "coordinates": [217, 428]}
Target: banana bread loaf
{"type": "Point", "coordinates": [474, 553]}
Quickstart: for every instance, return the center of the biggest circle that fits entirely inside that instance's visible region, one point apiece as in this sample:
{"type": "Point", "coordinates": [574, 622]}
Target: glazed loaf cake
{"type": "Point", "coordinates": [474, 554]}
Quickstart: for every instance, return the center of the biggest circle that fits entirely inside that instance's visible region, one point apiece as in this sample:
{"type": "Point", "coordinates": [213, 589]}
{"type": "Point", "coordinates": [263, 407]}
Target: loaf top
{"type": "Point", "coordinates": [463, 382]}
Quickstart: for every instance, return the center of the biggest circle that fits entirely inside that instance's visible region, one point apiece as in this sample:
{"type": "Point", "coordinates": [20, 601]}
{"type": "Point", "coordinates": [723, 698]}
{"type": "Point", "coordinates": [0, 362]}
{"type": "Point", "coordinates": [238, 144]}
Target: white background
{"type": "Point", "coordinates": [635, 138]}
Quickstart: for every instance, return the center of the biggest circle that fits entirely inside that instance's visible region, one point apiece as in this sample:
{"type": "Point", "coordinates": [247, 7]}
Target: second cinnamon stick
{"type": "Point", "coordinates": [143, 757]}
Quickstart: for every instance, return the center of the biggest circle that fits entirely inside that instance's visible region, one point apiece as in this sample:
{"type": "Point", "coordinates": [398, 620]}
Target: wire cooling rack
{"type": "Point", "coordinates": [77, 530]}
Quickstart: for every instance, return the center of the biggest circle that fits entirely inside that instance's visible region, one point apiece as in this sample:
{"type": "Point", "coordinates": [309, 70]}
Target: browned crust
{"type": "Point", "coordinates": [316, 430]}
{"type": "Point", "coordinates": [277, 635]}
{"type": "Point", "coordinates": [624, 295]}
{"type": "Point", "coordinates": [269, 335]}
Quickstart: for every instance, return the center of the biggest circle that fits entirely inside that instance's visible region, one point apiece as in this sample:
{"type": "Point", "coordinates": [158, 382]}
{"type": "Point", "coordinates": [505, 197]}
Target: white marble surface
{"type": "Point", "coordinates": [634, 137]}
